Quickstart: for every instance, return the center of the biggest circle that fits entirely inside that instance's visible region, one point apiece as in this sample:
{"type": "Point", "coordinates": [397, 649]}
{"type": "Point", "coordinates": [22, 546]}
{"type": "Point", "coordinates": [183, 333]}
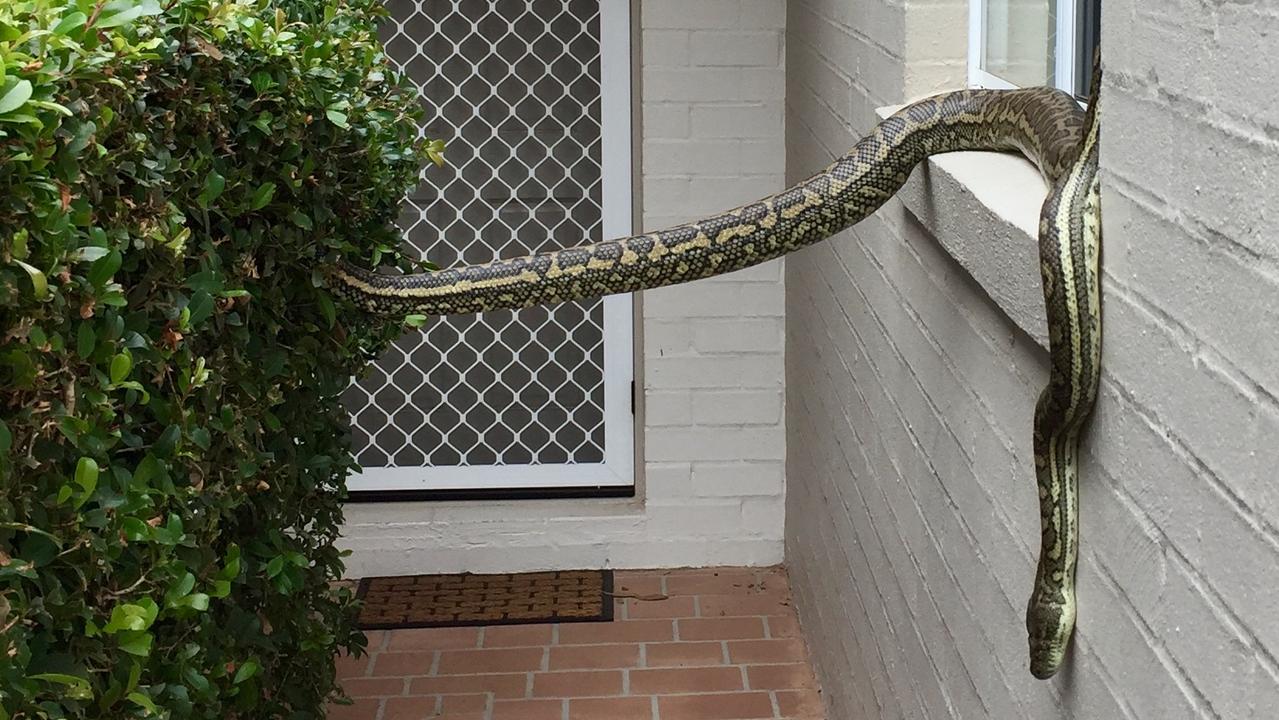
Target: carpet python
{"type": "Point", "coordinates": [1045, 125]}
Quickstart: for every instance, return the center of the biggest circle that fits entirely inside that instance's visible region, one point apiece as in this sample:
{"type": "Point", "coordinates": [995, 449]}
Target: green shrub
{"type": "Point", "coordinates": [172, 449]}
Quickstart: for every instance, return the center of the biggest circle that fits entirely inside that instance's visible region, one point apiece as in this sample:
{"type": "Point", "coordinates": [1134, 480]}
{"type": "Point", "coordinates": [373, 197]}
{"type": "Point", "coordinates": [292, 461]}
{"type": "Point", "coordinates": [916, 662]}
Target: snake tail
{"type": "Point", "coordinates": [1070, 232]}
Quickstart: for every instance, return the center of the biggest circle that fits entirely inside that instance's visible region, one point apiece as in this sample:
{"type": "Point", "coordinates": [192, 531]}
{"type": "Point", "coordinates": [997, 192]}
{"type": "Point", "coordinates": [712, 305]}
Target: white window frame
{"type": "Point", "coordinates": [617, 471]}
{"type": "Point", "coordinates": [1063, 54]}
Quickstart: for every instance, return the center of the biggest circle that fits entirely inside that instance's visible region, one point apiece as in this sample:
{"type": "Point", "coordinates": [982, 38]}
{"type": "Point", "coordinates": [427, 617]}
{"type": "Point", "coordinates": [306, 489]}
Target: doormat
{"type": "Point", "coordinates": [418, 601]}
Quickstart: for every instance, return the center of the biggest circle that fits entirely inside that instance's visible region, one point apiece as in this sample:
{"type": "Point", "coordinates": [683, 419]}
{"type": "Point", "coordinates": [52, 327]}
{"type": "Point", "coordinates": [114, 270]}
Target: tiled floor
{"type": "Point", "coordinates": [707, 644]}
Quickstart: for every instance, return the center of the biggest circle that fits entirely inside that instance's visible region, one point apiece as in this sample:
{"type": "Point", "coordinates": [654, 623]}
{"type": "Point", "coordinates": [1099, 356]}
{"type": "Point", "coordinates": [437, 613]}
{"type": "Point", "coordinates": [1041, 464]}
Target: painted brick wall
{"type": "Point", "coordinates": [911, 513]}
{"type": "Point", "coordinates": [712, 474]}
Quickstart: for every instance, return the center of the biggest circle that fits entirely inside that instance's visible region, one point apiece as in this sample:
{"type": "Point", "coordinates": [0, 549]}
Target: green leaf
{"type": "Point", "coordinates": [39, 284]}
{"type": "Point", "coordinates": [15, 95]}
{"type": "Point", "coordinates": [136, 643]}
{"type": "Point", "coordinates": [77, 688]}
{"type": "Point", "coordinates": [201, 307]}
{"type": "Point", "coordinates": [121, 366]}
{"type": "Point", "coordinates": [262, 195]}
{"type": "Point", "coordinates": [6, 438]}
{"type": "Point", "coordinates": [144, 702]}
{"type": "Point", "coordinates": [168, 441]}
{"type": "Point", "coordinates": [338, 118]}
{"type": "Point", "coordinates": [86, 340]}
{"type": "Point", "coordinates": [104, 268]}
{"type": "Point", "coordinates": [415, 321]}
{"type": "Point", "coordinates": [71, 22]}
{"type": "Point", "coordinates": [86, 476]}
{"type": "Point", "coordinates": [301, 220]}
{"type": "Point", "coordinates": [245, 671]}
{"type": "Point", "coordinates": [121, 12]}
{"type": "Point", "coordinates": [214, 184]}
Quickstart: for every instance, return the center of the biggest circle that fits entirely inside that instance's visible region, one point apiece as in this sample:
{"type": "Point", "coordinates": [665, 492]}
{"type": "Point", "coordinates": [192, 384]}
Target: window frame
{"type": "Point", "coordinates": [1065, 54]}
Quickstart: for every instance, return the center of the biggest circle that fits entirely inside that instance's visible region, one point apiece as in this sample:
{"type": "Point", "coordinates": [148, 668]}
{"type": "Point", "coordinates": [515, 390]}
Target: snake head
{"type": "Point", "coordinates": [1049, 624]}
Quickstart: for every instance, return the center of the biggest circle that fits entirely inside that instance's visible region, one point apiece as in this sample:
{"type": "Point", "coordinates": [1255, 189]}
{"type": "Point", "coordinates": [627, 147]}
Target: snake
{"type": "Point", "coordinates": [1044, 124]}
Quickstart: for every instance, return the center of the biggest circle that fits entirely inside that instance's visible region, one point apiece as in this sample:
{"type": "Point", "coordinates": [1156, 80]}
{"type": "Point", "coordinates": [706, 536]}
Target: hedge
{"type": "Point", "coordinates": [172, 448]}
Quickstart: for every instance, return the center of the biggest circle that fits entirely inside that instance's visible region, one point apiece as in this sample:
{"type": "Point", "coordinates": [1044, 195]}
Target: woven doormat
{"type": "Point", "coordinates": [415, 601]}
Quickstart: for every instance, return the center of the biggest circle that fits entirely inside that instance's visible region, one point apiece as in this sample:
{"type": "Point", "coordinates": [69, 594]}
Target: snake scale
{"type": "Point", "coordinates": [1044, 124]}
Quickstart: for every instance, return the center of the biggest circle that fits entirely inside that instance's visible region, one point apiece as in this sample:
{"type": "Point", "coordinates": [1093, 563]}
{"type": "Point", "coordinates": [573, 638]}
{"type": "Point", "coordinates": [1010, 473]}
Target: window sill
{"type": "Point", "coordinates": [983, 208]}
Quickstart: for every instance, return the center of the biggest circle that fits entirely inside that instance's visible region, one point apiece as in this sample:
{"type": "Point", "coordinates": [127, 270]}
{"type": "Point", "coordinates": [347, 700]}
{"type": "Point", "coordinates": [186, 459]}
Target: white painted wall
{"type": "Point", "coordinates": [712, 476]}
{"type": "Point", "coordinates": [912, 513]}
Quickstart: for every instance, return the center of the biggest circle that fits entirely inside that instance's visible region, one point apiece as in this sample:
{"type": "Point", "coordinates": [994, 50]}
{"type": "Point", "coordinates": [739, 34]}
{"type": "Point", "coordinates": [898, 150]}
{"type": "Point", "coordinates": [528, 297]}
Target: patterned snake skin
{"type": "Point", "coordinates": [1045, 125]}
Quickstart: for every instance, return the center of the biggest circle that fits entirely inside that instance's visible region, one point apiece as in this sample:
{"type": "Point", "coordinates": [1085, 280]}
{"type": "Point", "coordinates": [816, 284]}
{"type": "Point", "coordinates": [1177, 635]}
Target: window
{"type": "Point", "coordinates": [1020, 43]}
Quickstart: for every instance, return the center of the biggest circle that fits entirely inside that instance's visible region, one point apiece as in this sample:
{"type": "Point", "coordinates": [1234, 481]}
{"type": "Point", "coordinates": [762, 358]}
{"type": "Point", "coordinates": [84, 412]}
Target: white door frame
{"type": "Point", "coordinates": [617, 471]}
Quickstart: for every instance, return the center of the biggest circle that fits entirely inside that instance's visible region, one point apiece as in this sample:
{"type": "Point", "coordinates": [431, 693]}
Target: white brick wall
{"type": "Point", "coordinates": [712, 473]}
{"type": "Point", "coordinates": [912, 516]}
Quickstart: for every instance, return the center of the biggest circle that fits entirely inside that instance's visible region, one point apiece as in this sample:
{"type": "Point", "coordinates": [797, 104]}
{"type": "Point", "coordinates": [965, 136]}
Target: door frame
{"type": "Point", "coordinates": [615, 476]}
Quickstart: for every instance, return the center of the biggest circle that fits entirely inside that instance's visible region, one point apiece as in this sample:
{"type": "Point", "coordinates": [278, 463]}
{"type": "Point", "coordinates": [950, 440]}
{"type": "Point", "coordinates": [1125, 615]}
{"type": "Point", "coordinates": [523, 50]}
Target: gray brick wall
{"type": "Point", "coordinates": [911, 513]}
{"type": "Point", "coordinates": [713, 88]}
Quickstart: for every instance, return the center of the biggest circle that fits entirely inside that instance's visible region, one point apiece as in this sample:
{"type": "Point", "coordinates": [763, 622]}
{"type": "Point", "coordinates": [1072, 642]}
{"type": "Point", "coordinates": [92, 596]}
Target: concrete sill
{"type": "Point", "coordinates": [983, 208]}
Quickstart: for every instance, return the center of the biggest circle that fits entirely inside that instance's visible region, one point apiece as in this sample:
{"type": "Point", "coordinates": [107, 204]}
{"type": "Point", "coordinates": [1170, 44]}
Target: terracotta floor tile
{"type": "Point", "coordinates": [800, 703]}
{"type": "Point", "coordinates": [722, 706]}
{"type": "Point", "coordinates": [674, 607]}
{"type": "Point", "coordinates": [629, 708]}
{"type": "Point", "coordinates": [518, 635]}
{"type": "Point", "coordinates": [578, 683]}
{"type": "Point", "coordinates": [502, 686]}
{"type": "Point", "coordinates": [496, 660]}
{"type": "Point", "coordinates": [362, 710]}
{"type": "Point", "coordinates": [794, 676]}
{"type": "Point", "coordinates": [674, 681]}
{"type": "Point", "coordinates": [737, 628]}
{"type": "Point", "coordinates": [683, 654]}
{"type": "Point", "coordinates": [528, 710]}
{"type": "Point", "coordinates": [591, 657]}
{"type": "Point", "coordinates": [724, 645]}
{"type": "Point", "coordinates": [450, 638]}
{"type": "Point", "coordinates": [784, 650]}
{"type": "Point", "coordinates": [373, 686]}
{"type": "Point", "coordinates": [617, 631]}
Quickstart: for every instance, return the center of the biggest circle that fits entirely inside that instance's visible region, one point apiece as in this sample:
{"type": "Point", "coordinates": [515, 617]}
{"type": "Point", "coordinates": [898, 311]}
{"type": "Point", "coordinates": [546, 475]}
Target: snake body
{"type": "Point", "coordinates": [1044, 124]}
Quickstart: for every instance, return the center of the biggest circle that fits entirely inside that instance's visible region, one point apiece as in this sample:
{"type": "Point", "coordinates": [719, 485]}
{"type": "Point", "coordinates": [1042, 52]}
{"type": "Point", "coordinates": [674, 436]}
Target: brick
{"type": "Point", "coordinates": [717, 47]}
{"type": "Point", "coordinates": [528, 710]}
{"type": "Point", "coordinates": [676, 681]}
{"type": "Point", "coordinates": [587, 657]}
{"type": "Point", "coordinates": [360, 709]}
{"type": "Point", "coordinates": [577, 683]}
{"type": "Point", "coordinates": [713, 582]}
{"type": "Point", "coordinates": [723, 706]}
{"type": "Point", "coordinates": [350, 667]}
{"type": "Point", "coordinates": [370, 687]}
{"type": "Point", "coordinates": [517, 635]}
{"type": "Point", "coordinates": [655, 630]}
{"type": "Point", "coordinates": [458, 662]}
{"type": "Point", "coordinates": [721, 628]}
{"type": "Point", "coordinates": [780, 677]}
{"type": "Point", "coordinates": [738, 605]}
{"type": "Point", "coordinates": [800, 704]}
{"type": "Point", "coordinates": [413, 708]}
{"type": "Point", "coordinates": [675, 607]}
{"type": "Point", "coordinates": [783, 626]}
{"type": "Point", "coordinates": [611, 708]}
{"type": "Point", "coordinates": [502, 686]}
{"type": "Point", "coordinates": [457, 704]}
{"type": "Point", "coordinates": [402, 663]}
{"type": "Point", "coordinates": [683, 654]}
{"type": "Point", "coordinates": [433, 638]}
{"type": "Point", "coordinates": [638, 582]}
{"type": "Point", "coordinates": [784, 650]}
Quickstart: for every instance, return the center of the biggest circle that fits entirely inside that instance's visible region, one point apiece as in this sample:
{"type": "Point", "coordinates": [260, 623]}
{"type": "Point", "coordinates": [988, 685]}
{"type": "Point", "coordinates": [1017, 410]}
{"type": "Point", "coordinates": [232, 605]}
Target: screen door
{"type": "Point", "coordinates": [533, 100]}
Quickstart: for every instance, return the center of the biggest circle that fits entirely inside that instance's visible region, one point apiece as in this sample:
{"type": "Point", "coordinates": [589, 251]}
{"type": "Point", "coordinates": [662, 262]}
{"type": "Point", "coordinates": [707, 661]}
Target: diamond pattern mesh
{"type": "Point", "coordinates": [513, 86]}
